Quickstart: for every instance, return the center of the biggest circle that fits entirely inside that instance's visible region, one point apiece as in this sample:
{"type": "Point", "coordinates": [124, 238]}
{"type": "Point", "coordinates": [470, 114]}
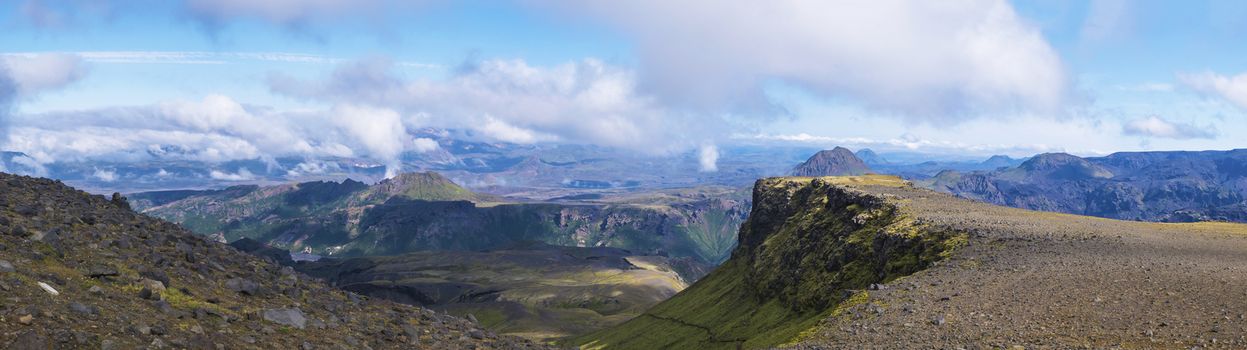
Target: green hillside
{"type": "Point", "coordinates": [807, 244]}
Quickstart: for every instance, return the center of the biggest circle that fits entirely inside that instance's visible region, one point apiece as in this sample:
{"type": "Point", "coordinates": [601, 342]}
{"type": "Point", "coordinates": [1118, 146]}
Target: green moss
{"type": "Point", "coordinates": [179, 300]}
{"type": "Point", "coordinates": [803, 247]}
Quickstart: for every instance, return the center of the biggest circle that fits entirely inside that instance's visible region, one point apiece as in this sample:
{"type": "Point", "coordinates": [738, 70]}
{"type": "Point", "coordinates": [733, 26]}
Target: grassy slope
{"type": "Point", "coordinates": [769, 293]}
{"type": "Point", "coordinates": [541, 293]}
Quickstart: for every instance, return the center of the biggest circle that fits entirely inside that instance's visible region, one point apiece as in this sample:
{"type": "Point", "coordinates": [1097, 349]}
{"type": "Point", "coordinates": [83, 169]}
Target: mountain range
{"type": "Point", "coordinates": [1150, 186]}
{"type": "Point", "coordinates": [426, 211]}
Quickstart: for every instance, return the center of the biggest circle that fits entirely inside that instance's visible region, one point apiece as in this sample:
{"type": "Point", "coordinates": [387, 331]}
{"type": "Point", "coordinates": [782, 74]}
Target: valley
{"type": "Point", "coordinates": [538, 292]}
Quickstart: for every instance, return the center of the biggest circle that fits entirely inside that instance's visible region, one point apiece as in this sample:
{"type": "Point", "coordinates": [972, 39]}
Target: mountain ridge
{"type": "Point", "coordinates": [1148, 186]}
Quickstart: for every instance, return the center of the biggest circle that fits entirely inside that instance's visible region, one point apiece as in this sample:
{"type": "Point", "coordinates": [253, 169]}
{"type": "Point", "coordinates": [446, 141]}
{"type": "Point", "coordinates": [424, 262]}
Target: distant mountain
{"type": "Point", "coordinates": [835, 162]}
{"type": "Point", "coordinates": [426, 211]}
{"type": "Point", "coordinates": [429, 186]}
{"type": "Point", "coordinates": [927, 169]}
{"type": "Point", "coordinates": [998, 161]}
{"type": "Point", "coordinates": [1150, 186]}
{"type": "Point", "coordinates": [870, 157]}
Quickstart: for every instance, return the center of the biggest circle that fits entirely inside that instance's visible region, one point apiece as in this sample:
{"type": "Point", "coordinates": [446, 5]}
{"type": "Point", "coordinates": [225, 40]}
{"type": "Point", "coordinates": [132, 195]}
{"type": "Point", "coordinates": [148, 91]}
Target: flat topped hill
{"type": "Point", "coordinates": [429, 186]}
{"type": "Point", "coordinates": [83, 272]}
{"type": "Point", "coordinates": [873, 262]}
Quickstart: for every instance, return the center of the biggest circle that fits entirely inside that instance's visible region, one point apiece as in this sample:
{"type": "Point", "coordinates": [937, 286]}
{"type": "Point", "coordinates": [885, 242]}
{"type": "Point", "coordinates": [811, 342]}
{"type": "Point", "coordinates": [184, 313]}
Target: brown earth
{"type": "Point", "coordinates": [1050, 281]}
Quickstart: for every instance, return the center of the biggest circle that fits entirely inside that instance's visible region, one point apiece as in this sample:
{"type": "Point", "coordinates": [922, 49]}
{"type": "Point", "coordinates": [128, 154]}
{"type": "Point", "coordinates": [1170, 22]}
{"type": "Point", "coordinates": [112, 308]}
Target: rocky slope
{"type": "Point", "coordinates": [873, 262]}
{"type": "Point", "coordinates": [538, 291]}
{"type": "Point", "coordinates": [420, 212]}
{"type": "Point", "coordinates": [82, 271]}
{"type": "Point", "coordinates": [805, 245]}
{"type": "Point", "coordinates": [1150, 186]}
{"type": "Point", "coordinates": [834, 162]}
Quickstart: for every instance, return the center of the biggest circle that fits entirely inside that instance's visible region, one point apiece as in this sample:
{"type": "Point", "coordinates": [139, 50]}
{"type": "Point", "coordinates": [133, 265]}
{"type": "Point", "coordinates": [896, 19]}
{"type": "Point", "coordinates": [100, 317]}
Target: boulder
{"type": "Point", "coordinates": [292, 317]}
{"type": "Point", "coordinates": [243, 286]}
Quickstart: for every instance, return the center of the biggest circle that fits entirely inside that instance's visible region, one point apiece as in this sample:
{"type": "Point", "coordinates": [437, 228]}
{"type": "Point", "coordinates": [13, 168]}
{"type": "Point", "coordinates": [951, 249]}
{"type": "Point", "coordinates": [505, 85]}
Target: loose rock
{"type": "Point", "coordinates": [292, 317]}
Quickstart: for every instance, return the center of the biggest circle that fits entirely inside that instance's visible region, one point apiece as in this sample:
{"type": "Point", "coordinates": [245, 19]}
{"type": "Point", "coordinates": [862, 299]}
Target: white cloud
{"type": "Point", "coordinates": [242, 175]}
{"type": "Point", "coordinates": [586, 102]}
{"type": "Point", "coordinates": [925, 60]}
{"type": "Point", "coordinates": [40, 72]}
{"type": "Point", "coordinates": [423, 144]}
{"type": "Point", "coordinates": [27, 75]}
{"type": "Point", "coordinates": [1231, 89]}
{"type": "Point", "coordinates": [311, 167]}
{"type": "Point", "coordinates": [708, 159]}
{"type": "Point", "coordinates": [105, 175]}
{"type": "Point", "coordinates": [379, 131]}
{"type": "Point", "coordinates": [1154, 126]}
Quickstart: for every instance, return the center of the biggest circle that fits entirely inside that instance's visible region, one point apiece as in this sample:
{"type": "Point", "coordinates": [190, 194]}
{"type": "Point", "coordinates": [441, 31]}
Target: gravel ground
{"type": "Point", "coordinates": [1053, 281]}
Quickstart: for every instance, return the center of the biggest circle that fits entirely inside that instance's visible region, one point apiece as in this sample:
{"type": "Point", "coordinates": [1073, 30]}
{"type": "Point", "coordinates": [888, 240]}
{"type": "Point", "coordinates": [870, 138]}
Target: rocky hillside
{"type": "Point", "coordinates": [82, 271]}
{"type": "Point", "coordinates": [420, 212]}
{"type": "Point", "coordinates": [537, 291]}
{"type": "Point", "coordinates": [805, 246]}
{"type": "Point", "coordinates": [873, 262]}
{"type": "Point", "coordinates": [1150, 186]}
{"type": "Point", "coordinates": [834, 162]}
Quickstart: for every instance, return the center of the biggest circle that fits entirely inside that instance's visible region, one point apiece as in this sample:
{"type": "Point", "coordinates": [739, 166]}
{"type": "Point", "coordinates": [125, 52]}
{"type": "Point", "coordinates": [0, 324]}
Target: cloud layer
{"type": "Point", "coordinates": [25, 76]}
{"type": "Point", "coordinates": [1232, 89]}
{"type": "Point", "coordinates": [216, 129]}
{"type": "Point", "coordinates": [585, 102]}
{"type": "Point", "coordinates": [1154, 126]}
{"type": "Point", "coordinates": [939, 60]}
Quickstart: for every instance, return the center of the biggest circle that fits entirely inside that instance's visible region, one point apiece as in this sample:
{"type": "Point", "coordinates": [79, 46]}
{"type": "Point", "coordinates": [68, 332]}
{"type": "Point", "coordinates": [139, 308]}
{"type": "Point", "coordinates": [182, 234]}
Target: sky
{"type": "Point", "coordinates": [220, 80]}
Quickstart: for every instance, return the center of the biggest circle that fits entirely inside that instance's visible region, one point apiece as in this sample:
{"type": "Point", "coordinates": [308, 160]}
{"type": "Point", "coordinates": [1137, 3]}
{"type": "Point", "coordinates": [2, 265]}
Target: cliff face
{"type": "Point", "coordinates": [806, 245]}
{"type": "Point", "coordinates": [424, 211]}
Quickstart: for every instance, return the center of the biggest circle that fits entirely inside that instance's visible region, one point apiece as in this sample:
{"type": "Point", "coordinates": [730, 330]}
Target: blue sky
{"type": "Point", "coordinates": [110, 79]}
